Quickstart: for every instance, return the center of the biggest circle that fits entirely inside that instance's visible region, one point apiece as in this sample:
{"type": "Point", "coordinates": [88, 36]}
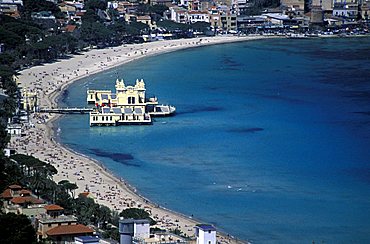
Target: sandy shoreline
{"type": "Point", "coordinates": [49, 80]}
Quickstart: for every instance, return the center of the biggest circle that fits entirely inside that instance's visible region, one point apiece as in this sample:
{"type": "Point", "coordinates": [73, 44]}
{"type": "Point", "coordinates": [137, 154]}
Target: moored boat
{"type": "Point", "coordinates": [296, 36]}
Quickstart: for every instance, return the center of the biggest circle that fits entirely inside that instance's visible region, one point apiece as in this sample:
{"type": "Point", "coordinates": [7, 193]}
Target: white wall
{"type": "Point", "coordinates": [141, 230]}
{"type": "Point", "coordinates": [206, 238]}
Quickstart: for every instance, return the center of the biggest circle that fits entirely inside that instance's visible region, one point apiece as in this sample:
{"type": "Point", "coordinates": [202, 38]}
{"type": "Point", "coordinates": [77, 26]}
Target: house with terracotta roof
{"type": "Point", "coordinates": [22, 201]}
{"type": "Point", "coordinates": [15, 188]}
{"type": "Point", "coordinates": [70, 28]}
{"type": "Point", "coordinates": [46, 222]}
{"type": "Point", "coordinates": [67, 233]}
{"type": "Point", "coordinates": [87, 194]}
{"type": "Point", "coordinates": [54, 210]}
{"type": "Point", "coordinates": [58, 227]}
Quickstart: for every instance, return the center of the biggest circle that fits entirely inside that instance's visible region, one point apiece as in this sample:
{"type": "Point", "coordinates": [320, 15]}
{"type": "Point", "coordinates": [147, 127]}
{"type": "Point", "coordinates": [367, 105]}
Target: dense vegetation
{"type": "Point", "coordinates": [27, 42]}
{"type": "Point", "coordinates": [257, 6]}
{"type": "Point", "coordinates": [36, 175]}
{"type": "Point", "coordinates": [16, 229]}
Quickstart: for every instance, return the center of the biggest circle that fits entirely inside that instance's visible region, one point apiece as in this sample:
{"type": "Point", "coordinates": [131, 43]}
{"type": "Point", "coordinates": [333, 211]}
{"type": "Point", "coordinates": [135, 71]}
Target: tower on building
{"type": "Point", "coordinates": [317, 14]}
{"type": "Point", "coordinates": [206, 234]}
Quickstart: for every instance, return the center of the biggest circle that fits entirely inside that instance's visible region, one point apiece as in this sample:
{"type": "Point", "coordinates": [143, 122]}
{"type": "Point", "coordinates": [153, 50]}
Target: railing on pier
{"type": "Point", "coordinates": [66, 110]}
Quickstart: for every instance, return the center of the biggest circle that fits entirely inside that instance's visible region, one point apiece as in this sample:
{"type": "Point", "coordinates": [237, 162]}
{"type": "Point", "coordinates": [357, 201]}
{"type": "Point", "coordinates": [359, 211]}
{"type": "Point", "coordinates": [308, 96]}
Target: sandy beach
{"type": "Point", "coordinates": [49, 80]}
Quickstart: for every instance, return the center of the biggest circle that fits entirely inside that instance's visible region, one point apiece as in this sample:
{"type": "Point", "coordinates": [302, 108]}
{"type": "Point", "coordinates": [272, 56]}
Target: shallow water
{"type": "Point", "coordinates": [270, 142]}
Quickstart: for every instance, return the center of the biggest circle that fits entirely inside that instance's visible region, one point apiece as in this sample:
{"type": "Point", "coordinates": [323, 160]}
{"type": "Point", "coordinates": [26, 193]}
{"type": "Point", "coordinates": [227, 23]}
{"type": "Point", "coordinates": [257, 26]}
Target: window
{"type": "Point", "coordinates": [131, 100]}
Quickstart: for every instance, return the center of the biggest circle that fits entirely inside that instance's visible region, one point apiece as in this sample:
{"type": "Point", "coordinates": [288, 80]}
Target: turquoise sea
{"type": "Point", "coordinates": [271, 142]}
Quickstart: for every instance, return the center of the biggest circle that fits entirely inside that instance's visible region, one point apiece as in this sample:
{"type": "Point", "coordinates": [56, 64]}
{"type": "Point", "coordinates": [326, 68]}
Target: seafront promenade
{"type": "Point", "coordinates": [49, 80]}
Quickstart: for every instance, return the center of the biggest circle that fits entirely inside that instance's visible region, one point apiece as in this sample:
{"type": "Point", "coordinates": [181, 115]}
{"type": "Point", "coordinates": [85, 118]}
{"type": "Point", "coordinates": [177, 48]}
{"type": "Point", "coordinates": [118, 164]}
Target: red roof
{"type": "Point", "coordinates": [53, 207]}
{"type": "Point", "coordinates": [21, 200]}
{"type": "Point", "coordinates": [15, 187]}
{"type": "Point", "coordinates": [70, 28]}
{"type": "Point", "coordinates": [85, 193]}
{"type": "Point", "coordinates": [69, 230]}
{"type": "Point", "coordinates": [197, 12]}
{"type": "Point", "coordinates": [25, 192]}
{"type": "Point", "coordinates": [145, 17]}
{"type": "Point", "coordinates": [7, 194]}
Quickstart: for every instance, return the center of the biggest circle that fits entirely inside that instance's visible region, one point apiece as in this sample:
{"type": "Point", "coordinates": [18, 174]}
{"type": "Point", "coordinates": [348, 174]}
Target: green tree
{"type": "Point", "coordinates": [12, 171]}
{"type": "Point", "coordinates": [95, 32]}
{"type": "Point", "coordinates": [172, 26]}
{"type": "Point", "coordinates": [30, 6]}
{"type": "Point", "coordinates": [112, 233]}
{"type": "Point", "coordinates": [8, 106]}
{"type": "Point", "coordinates": [4, 137]}
{"type": "Point", "coordinates": [16, 229]}
{"type": "Point", "coordinates": [9, 38]}
{"type": "Point", "coordinates": [86, 210]}
{"type": "Point", "coordinates": [143, 9]}
{"type": "Point", "coordinates": [200, 26]}
{"type": "Point", "coordinates": [6, 59]}
{"type": "Point", "coordinates": [136, 213]}
{"type": "Point", "coordinates": [68, 187]}
{"type": "Point", "coordinates": [158, 9]}
{"type": "Point", "coordinates": [96, 4]}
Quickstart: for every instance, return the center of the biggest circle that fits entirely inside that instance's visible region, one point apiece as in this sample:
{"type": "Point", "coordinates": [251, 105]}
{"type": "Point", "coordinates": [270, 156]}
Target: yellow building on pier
{"type": "Point", "coordinates": [128, 105]}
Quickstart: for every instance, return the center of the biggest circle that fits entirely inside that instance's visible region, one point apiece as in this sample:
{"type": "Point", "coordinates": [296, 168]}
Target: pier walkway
{"type": "Point", "coordinates": [66, 110]}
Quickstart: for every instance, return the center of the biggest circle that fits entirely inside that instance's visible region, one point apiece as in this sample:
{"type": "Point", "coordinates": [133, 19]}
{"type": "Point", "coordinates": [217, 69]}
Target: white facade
{"type": "Point", "coordinates": [14, 130]}
{"type": "Point", "coordinates": [141, 229]}
{"type": "Point", "coordinates": [198, 16]}
{"type": "Point", "coordinates": [206, 234]}
{"type": "Point", "coordinates": [8, 152]}
{"type": "Point", "coordinates": [184, 3]}
{"type": "Point", "coordinates": [113, 5]}
{"type": "Point", "coordinates": [345, 10]}
{"type": "Point", "coordinates": [178, 15]}
{"type": "Point", "coordinates": [276, 19]}
{"type": "Point", "coordinates": [18, 2]}
{"type": "Point", "coordinates": [132, 228]}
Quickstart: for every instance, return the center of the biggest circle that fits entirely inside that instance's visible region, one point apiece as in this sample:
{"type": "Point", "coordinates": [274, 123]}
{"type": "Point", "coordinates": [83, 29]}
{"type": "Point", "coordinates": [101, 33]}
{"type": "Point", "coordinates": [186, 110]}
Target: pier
{"type": "Point", "coordinates": [66, 110]}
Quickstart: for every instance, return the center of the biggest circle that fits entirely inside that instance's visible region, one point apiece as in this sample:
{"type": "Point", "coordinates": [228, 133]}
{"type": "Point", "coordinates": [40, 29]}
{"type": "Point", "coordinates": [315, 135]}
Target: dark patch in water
{"type": "Point", "coordinates": [359, 173]}
{"type": "Point", "coordinates": [64, 96]}
{"type": "Point", "coordinates": [229, 64]}
{"type": "Point", "coordinates": [123, 158]}
{"type": "Point", "coordinates": [358, 95]}
{"type": "Point", "coordinates": [246, 130]}
{"type": "Point", "coordinates": [282, 98]}
{"type": "Point", "coordinates": [228, 68]}
{"type": "Point", "coordinates": [364, 113]}
{"type": "Point", "coordinates": [199, 109]}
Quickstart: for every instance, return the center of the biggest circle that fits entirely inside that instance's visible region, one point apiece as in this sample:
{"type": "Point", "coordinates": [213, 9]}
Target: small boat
{"type": "Point", "coordinates": [161, 110]}
{"type": "Point", "coordinates": [296, 36]}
